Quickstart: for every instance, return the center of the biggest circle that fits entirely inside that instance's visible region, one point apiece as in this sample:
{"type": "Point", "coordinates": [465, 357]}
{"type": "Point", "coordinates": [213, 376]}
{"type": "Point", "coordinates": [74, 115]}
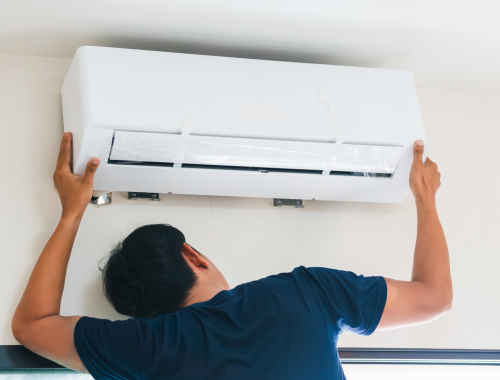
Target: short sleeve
{"type": "Point", "coordinates": [353, 302]}
{"type": "Point", "coordinates": [111, 350]}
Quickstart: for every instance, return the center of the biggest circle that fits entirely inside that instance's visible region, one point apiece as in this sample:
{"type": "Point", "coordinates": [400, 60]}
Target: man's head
{"type": "Point", "coordinates": [153, 272]}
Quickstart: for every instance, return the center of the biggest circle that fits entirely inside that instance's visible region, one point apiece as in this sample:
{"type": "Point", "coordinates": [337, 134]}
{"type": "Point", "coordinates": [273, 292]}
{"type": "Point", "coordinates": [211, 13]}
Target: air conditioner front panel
{"type": "Point", "coordinates": [224, 96]}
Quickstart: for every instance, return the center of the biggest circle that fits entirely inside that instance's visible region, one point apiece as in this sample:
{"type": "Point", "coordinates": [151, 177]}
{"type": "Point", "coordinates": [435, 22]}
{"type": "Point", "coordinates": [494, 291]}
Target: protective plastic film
{"type": "Point", "coordinates": [144, 147]}
{"type": "Point", "coordinates": [367, 158]}
{"type": "Point", "coordinates": [257, 153]}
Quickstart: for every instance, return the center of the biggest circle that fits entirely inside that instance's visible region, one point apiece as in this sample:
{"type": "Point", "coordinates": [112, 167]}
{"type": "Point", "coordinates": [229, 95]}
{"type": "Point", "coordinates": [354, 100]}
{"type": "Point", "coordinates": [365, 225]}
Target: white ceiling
{"type": "Point", "coordinates": [445, 43]}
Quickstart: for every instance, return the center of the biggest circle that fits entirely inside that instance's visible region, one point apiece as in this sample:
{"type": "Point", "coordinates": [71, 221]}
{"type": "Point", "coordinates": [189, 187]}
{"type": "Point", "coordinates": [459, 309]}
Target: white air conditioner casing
{"type": "Point", "coordinates": [251, 128]}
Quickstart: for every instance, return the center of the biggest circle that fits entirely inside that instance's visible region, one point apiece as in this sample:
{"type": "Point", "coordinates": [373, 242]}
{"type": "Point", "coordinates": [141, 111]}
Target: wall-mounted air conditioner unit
{"type": "Point", "coordinates": [191, 124]}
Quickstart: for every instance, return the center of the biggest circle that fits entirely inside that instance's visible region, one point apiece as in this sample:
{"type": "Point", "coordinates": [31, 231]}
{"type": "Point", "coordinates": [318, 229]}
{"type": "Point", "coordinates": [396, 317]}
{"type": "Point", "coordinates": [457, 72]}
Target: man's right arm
{"type": "Point", "coordinates": [429, 294]}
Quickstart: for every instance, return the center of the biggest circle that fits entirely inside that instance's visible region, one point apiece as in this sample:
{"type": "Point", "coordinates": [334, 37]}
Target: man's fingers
{"type": "Point", "coordinates": [63, 141]}
{"type": "Point", "coordinates": [64, 157]}
{"type": "Point", "coordinates": [418, 151]}
{"type": "Point", "coordinates": [90, 170]}
{"type": "Point", "coordinates": [429, 162]}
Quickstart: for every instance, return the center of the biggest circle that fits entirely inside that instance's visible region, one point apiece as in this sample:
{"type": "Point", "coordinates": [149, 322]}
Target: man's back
{"type": "Point", "coordinates": [280, 327]}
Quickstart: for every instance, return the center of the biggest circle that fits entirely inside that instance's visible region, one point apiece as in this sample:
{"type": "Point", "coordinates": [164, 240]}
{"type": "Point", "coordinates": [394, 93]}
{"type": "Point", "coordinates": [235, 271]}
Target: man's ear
{"type": "Point", "coordinates": [192, 257]}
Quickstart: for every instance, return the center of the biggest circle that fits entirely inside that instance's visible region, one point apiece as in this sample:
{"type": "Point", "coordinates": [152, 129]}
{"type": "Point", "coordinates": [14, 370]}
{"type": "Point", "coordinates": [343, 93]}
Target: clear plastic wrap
{"type": "Point", "coordinates": [136, 151]}
{"type": "Point", "coordinates": [367, 159]}
{"type": "Point", "coordinates": [256, 153]}
{"type": "Point", "coordinates": [146, 147]}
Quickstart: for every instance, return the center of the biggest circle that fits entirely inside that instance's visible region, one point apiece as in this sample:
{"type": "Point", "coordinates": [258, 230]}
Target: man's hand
{"type": "Point", "coordinates": [429, 294]}
{"type": "Point", "coordinates": [424, 177]}
{"type": "Point", "coordinates": [75, 191]}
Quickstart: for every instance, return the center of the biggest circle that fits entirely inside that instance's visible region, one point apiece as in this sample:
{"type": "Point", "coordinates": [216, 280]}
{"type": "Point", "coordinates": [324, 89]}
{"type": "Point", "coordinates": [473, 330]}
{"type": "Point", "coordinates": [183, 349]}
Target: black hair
{"type": "Point", "coordinates": [146, 274]}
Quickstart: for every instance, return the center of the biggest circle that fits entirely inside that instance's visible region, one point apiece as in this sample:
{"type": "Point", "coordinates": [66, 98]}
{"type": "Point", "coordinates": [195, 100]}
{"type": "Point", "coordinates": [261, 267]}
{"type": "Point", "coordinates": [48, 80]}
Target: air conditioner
{"type": "Point", "coordinates": [192, 124]}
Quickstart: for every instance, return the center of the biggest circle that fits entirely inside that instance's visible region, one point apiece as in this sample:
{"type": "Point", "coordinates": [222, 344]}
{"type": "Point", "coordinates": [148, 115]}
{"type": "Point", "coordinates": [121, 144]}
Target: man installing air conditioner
{"type": "Point", "coordinates": [187, 323]}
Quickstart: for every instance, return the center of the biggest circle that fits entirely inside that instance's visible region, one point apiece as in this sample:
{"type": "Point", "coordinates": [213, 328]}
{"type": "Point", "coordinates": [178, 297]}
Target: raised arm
{"type": "Point", "coordinates": [36, 323]}
{"type": "Point", "coordinates": [429, 294]}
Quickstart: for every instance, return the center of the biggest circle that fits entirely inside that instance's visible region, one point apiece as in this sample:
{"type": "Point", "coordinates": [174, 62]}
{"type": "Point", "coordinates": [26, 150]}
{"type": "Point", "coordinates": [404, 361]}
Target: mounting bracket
{"type": "Point", "coordinates": [297, 203]}
{"type": "Point", "coordinates": [152, 196]}
{"type": "Point", "coordinates": [103, 199]}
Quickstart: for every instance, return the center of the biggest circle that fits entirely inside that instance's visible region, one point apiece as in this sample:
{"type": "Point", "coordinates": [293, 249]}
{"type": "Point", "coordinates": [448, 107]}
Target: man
{"type": "Point", "coordinates": [187, 322]}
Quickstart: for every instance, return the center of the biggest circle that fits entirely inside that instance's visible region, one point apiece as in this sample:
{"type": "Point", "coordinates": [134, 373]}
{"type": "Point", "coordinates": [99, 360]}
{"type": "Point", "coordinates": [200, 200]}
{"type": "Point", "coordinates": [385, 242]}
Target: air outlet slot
{"type": "Point", "coordinates": [248, 169]}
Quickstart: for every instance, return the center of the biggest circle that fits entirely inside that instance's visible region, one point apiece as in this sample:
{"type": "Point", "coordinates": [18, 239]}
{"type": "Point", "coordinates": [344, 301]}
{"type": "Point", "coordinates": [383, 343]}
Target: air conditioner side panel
{"type": "Point", "coordinates": [75, 105]}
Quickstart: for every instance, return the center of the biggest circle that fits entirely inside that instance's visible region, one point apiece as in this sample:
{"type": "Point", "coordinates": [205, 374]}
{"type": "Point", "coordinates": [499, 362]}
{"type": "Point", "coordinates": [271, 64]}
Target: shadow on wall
{"type": "Point", "coordinates": [315, 206]}
{"type": "Point", "coordinates": [265, 204]}
{"type": "Point", "coordinates": [63, 44]}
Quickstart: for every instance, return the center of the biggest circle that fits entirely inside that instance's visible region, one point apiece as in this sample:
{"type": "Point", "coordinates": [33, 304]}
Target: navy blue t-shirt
{"type": "Point", "coordinates": [280, 327]}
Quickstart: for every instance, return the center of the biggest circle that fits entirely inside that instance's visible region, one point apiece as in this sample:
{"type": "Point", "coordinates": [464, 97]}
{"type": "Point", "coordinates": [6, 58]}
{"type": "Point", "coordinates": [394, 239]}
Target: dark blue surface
{"type": "Point", "coordinates": [280, 327]}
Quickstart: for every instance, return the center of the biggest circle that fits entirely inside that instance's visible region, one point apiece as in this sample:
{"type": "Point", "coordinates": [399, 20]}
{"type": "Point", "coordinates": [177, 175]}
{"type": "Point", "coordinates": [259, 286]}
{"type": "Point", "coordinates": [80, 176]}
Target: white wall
{"type": "Point", "coordinates": [248, 238]}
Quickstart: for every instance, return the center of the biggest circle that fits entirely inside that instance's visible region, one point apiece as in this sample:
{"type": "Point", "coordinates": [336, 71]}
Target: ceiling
{"type": "Point", "coordinates": [445, 43]}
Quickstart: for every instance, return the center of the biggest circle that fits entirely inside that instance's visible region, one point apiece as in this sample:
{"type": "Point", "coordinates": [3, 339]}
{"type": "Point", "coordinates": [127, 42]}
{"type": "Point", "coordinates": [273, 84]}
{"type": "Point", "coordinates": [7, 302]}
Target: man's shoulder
{"type": "Point", "coordinates": [297, 275]}
{"type": "Point", "coordinates": [308, 272]}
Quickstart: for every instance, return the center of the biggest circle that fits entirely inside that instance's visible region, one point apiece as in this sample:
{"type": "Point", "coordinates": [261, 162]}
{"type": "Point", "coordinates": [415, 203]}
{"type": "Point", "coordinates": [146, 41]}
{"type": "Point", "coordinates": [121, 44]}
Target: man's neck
{"type": "Point", "coordinates": [203, 292]}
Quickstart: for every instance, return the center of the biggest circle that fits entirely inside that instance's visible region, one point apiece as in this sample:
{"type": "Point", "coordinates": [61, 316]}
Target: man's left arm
{"type": "Point", "coordinates": [429, 293]}
{"type": "Point", "coordinates": [37, 323]}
